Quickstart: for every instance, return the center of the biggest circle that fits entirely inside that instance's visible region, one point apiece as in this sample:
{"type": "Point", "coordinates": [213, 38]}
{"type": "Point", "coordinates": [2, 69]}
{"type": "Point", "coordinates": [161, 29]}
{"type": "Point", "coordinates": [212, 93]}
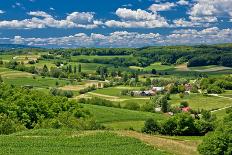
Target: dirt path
{"type": "Point", "coordinates": [178, 147]}
{"type": "Point", "coordinates": [182, 67]}
{"type": "Point", "coordinates": [115, 98]}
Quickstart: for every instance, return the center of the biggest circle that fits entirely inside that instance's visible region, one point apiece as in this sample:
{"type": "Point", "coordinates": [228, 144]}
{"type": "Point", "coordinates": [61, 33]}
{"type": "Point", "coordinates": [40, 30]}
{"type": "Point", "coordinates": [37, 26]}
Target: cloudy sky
{"type": "Point", "coordinates": [115, 23]}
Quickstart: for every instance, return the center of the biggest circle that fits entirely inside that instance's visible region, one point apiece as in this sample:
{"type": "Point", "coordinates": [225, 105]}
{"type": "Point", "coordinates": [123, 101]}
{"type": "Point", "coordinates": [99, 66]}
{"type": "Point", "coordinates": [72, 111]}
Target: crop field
{"type": "Point", "coordinates": [75, 143]}
{"type": "Point", "coordinates": [198, 101]}
{"type": "Point", "coordinates": [8, 73]}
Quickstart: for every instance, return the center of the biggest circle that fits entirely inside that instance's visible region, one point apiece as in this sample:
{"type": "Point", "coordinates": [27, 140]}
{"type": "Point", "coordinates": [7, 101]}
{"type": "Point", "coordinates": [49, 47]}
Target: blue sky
{"type": "Point", "coordinates": [115, 23]}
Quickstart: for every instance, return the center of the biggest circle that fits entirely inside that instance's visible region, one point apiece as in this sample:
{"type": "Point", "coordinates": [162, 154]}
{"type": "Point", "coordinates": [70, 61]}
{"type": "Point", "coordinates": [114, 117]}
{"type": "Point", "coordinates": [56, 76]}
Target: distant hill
{"type": "Point", "coordinates": [14, 46]}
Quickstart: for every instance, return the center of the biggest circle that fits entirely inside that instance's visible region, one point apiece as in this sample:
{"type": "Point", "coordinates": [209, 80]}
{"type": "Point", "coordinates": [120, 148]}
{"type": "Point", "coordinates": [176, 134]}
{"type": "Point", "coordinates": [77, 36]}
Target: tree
{"type": "Point", "coordinates": [163, 102]}
{"type": "Point", "coordinates": [1, 80]}
{"type": "Point", "coordinates": [153, 71]}
{"type": "Point", "coordinates": [148, 82]}
{"type": "Point", "coordinates": [79, 68]}
{"type": "Point", "coordinates": [75, 69]}
{"type": "Point", "coordinates": [70, 69]}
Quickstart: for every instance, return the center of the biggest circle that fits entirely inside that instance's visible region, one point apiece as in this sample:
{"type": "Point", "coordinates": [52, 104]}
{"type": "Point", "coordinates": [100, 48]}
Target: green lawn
{"type": "Point", "coordinates": [198, 101]}
{"type": "Point", "coordinates": [92, 143]}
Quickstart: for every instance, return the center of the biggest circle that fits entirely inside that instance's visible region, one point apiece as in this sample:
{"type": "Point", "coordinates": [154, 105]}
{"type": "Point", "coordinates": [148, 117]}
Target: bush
{"type": "Point", "coordinates": [213, 89]}
{"type": "Point", "coordinates": [184, 104]}
{"type": "Point", "coordinates": [180, 124]}
{"type": "Point", "coordinates": [8, 125]}
{"type": "Point", "coordinates": [215, 144]}
{"type": "Point", "coordinates": [59, 92]}
{"type": "Point", "coordinates": [151, 126]}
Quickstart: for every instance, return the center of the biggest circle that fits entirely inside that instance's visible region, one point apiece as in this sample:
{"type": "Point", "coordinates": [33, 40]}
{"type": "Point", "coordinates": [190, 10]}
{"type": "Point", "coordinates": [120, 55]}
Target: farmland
{"type": "Point", "coordinates": [73, 143]}
{"type": "Point", "coordinates": [122, 101]}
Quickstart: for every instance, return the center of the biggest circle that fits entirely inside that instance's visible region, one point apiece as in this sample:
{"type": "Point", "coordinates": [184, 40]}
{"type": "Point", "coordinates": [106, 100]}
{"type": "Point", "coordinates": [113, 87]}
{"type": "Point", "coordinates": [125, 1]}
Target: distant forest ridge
{"type": "Point", "coordinates": [17, 46]}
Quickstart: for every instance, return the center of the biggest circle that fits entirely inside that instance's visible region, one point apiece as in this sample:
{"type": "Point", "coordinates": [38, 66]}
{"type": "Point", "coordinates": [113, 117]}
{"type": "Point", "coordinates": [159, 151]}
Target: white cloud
{"type": "Point", "coordinates": [51, 8]}
{"type": "Point", "coordinates": [115, 39]}
{"type": "Point", "coordinates": [206, 36]}
{"type": "Point", "coordinates": [137, 19]}
{"type": "Point", "coordinates": [1, 11]}
{"type": "Point", "coordinates": [132, 39]}
{"type": "Point", "coordinates": [205, 9]}
{"type": "Point", "coordinates": [161, 7]}
{"type": "Point", "coordinates": [42, 19]}
{"type": "Point", "coordinates": [183, 2]}
{"type": "Point", "coordinates": [127, 5]}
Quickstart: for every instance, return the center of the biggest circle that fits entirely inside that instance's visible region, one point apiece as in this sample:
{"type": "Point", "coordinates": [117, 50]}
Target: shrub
{"type": "Point", "coordinates": [151, 126]}
{"type": "Point", "coordinates": [184, 104]}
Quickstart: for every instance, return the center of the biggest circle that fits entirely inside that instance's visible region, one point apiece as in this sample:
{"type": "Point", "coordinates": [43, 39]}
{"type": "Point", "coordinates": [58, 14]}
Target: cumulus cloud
{"type": "Point", "coordinates": [114, 39]}
{"type": "Point", "coordinates": [1, 11]}
{"type": "Point", "coordinates": [183, 2]}
{"type": "Point", "coordinates": [137, 19]}
{"type": "Point", "coordinates": [210, 35]}
{"type": "Point", "coordinates": [204, 10]}
{"type": "Point", "coordinates": [206, 36]}
{"type": "Point", "coordinates": [161, 7]}
{"type": "Point", "coordinates": [42, 19]}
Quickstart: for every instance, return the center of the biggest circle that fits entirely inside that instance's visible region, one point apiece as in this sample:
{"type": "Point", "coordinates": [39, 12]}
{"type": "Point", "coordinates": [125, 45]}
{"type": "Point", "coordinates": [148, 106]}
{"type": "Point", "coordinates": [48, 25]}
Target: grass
{"type": "Point", "coordinates": [125, 125]}
{"type": "Point", "coordinates": [39, 82]}
{"type": "Point", "coordinates": [198, 101]}
{"type": "Point", "coordinates": [41, 64]}
{"type": "Point", "coordinates": [220, 114]}
{"type": "Point", "coordinates": [93, 143]}
{"type": "Point", "coordinates": [116, 91]}
{"type": "Point", "coordinates": [156, 66]}
{"type": "Point", "coordinates": [108, 114]}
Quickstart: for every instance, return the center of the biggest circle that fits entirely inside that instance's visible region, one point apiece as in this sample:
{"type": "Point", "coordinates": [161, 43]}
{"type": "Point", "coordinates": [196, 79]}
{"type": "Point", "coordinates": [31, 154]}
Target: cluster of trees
{"type": "Point", "coordinates": [181, 124]}
{"type": "Point", "coordinates": [205, 60]}
{"type": "Point", "coordinates": [22, 108]}
{"type": "Point", "coordinates": [216, 86]}
{"type": "Point", "coordinates": [69, 71]}
{"type": "Point", "coordinates": [92, 51]}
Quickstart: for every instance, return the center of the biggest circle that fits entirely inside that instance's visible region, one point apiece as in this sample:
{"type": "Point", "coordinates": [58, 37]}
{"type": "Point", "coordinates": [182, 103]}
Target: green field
{"type": "Point", "coordinates": [73, 142]}
{"type": "Point", "coordinates": [156, 66]}
{"type": "Point", "coordinates": [198, 101]}
{"type": "Point", "coordinates": [108, 114]}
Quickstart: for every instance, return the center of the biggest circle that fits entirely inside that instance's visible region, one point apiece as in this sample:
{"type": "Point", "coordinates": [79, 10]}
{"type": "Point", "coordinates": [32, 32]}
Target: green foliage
{"type": "Point", "coordinates": [219, 141]}
{"type": "Point", "coordinates": [88, 89]}
{"type": "Point", "coordinates": [181, 124]}
{"type": "Point", "coordinates": [30, 108]}
{"type": "Point", "coordinates": [8, 125]}
{"type": "Point", "coordinates": [151, 126]}
{"type": "Point", "coordinates": [99, 101]}
{"type": "Point", "coordinates": [59, 92]}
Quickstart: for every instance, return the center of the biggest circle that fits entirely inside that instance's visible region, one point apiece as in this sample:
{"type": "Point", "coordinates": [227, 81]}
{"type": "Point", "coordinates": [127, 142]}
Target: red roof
{"type": "Point", "coordinates": [186, 109]}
